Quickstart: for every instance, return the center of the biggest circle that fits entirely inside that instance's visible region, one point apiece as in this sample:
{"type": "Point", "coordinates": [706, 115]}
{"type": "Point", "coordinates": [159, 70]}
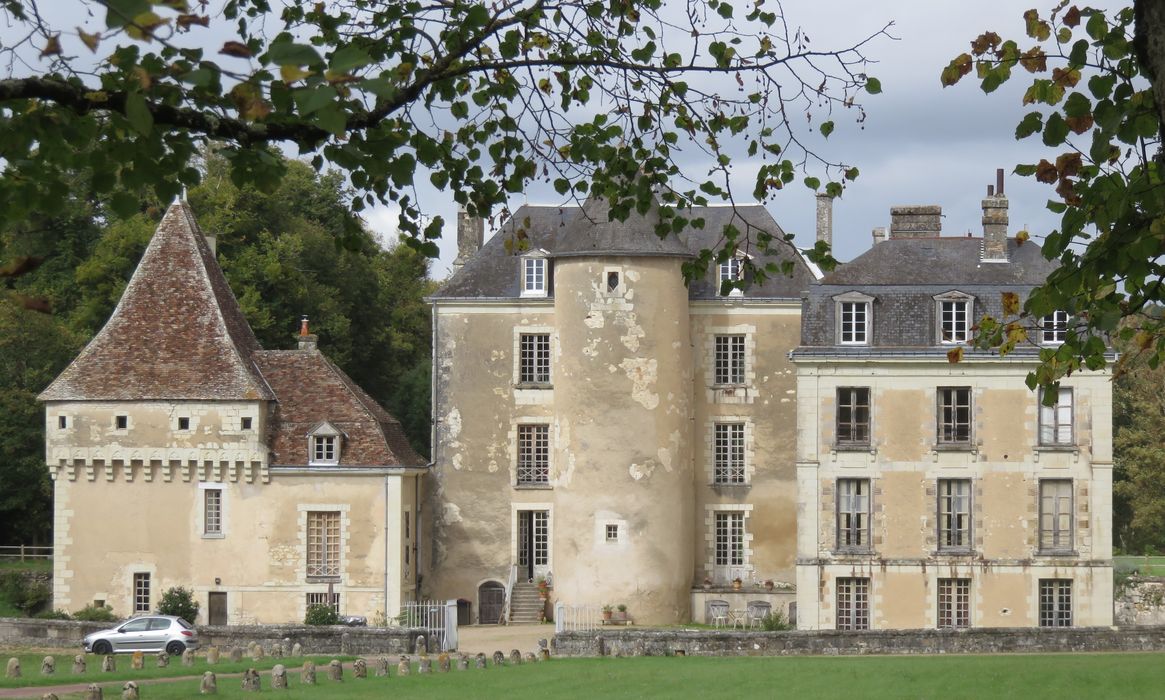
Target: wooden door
{"type": "Point", "coordinates": [491, 599]}
{"type": "Point", "coordinates": [216, 610]}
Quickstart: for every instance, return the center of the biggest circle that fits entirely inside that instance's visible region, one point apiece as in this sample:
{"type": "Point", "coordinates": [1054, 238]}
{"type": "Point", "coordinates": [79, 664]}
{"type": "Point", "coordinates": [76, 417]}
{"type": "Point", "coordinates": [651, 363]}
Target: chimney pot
{"type": "Point", "coordinates": [990, 190]}
{"type": "Point", "coordinates": [307, 341]}
{"type": "Point", "coordinates": [999, 181]}
{"type": "Point", "coordinates": [879, 234]}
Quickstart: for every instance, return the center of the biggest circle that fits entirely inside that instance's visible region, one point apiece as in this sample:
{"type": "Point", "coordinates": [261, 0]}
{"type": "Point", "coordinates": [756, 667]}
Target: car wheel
{"type": "Point", "coordinates": [102, 648]}
{"type": "Point", "coordinates": [175, 648]}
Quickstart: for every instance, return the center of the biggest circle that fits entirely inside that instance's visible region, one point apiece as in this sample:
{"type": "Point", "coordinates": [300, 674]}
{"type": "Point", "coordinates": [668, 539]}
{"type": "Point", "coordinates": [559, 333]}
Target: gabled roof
{"type": "Point", "coordinates": [176, 333]}
{"type": "Point", "coordinates": [942, 260]}
{"type": "Point", "coordinates": [311, 390]}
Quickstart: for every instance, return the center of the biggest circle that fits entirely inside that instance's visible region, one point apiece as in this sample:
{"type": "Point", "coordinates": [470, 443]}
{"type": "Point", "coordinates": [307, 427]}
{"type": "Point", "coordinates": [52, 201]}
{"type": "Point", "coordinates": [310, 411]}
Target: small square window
{"type": "Point", "coordinates": [121, 422]}
{"type": "Point", "coordinates": [246, 423]}
{"type": "Point", "coordinates": [612, 533]}
{"type": "Point", "coordinates": [184, 423]}
{"type": "Point", "coordinates": [1054, 328]}
{"type": "Point", "coordinates": [612, 282]}
{"type": "Point", "coordinates": [62, 422]}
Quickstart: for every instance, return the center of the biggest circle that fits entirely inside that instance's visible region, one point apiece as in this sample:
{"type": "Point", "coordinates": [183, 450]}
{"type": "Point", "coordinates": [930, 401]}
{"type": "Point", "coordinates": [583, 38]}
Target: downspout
{"type": "Point", "coordinates": [386, 478]}
{"type": "Point", "coordinates": [433, 447]}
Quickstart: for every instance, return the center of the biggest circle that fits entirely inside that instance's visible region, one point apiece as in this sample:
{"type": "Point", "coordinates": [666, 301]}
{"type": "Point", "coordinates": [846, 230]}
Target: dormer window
{"type": "Point", "coordinates": [854, 318]}
{"type": "Point", "coordinates": [954, 311]}
{"type": "Point", "coordinates": [731, 271]}
{"type": "Point", "coordinates": [324, 443]}
{"type": "Point", "coordinates": [534, 276]}
{"type": "Point", "coordinates": [1054, 328]}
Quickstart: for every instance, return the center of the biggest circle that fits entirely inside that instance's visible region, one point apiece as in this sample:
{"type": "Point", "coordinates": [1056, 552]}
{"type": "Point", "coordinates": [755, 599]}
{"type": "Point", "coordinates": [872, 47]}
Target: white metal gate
{"type": "Point", "coordinates": [435, 620]}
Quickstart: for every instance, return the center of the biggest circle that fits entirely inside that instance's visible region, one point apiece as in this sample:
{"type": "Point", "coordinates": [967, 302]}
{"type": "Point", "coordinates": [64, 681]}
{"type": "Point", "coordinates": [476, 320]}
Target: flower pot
{"type": "Point", "coordinates": [607, 614]}
{"type": "Point", "coordinates": [769, 586]}
{"type": "Point", "coordinates": [736, 585]}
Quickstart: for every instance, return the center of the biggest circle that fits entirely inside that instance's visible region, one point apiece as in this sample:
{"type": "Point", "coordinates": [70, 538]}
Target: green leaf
{"type": "Point", "coordinates": [873, 85]}
{"type": "Point", "coordinates": [1031, 124]}
{"type": "Point", "coordinates": [312, 100]}
{"type": "Point", "coordinates": [1056, 130]}
{"type": "Point", "coordinates": [349, 57]}
{"type": "Point", "coordinates": [826, 129]}
{"type": "Point", "coordinates": [288, 54]}
{"type": "Point", "coordinates": [119, 13]}
{"type": "Point", "coordinates": [138, 113]}
{"type": "Point", "coordinates": [812, 183]}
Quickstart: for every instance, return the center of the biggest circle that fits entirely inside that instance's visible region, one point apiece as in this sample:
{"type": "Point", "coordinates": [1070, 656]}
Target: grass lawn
{"type": "Point", "coordinates": [1014, 676]}
{"type": "Point", "coordinates": [26, 565]}
{"type": "Point", "coordinates": [1146, 566]}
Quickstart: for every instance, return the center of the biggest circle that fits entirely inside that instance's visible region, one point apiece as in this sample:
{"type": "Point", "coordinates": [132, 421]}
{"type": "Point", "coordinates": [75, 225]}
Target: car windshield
{"type": "Point", "coordinates": [185, 624]}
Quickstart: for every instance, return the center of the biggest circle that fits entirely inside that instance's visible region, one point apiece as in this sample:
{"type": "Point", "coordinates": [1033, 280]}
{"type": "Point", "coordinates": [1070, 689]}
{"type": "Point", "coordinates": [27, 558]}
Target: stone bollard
{"type": "Point", "coordinates": [78, 664]}
{"type": "Point", "coordinates": [138, 661]}
{"type": "Point", "coordinates": [345, 643]}
{"type": "Point", "coordinates": [381, 666]}
{"type": "Point", "coordinates": [479, 660]}
{"type": "Point", "coordinates": [48, 666]}
{"type": "Point", "coordinates": [49, 696]}
{"type": "Point", "coordinates": [419, 645]}
{"type": "Point", "coordinates": [403, 668]}
{"type": "Point", "coordinates": [212, 655]}
{"type": "Point", "coordinates": [308, 675]}
{"type": "Point", "coordinates": [108, 664]}
{"type": "Point", "coordinates": [13, 670]}
{"type": "Point", "coordinates": [515, 657]}
{"type": "Point", "coordinates": [236, 655]}
{"type": "Point", "coordinates": [297, 650]}
{"type": "Point", "coordinates": [209, 685]}
{"type": "Point", "coordinates": [93, 692]}
{"type": "Point", "coordinates": [279, 677]}
{"type": "Point", "coordinates": [257, 653]}
{"type": "Point", "coordinates": [285, 646]}
{"type": "Point", "coordinates": [499, 658]}
{"type": "Point", "coordinates": [462, 662]}
{"type": "Point", "coordinates": [251, 681]}
{"type": "Point", "coordinates": [336, 670]}
{"type": "Point", "coordinates": [277, 651]}
{"type": "Point", "coordinates": [129, 691]}
{"type": "Point", "coordinates": [163, 659]}
{"type": "Point", "coordinates": [443, 662]}
{"type": "Point", "coordinates": [188, 657]}
{"type": "Point", "coordinates": [360, 668]}
{"type": "Point", "coordinates": [425, 664]}
{"type": "Point", "coordinates": [530, 658]}
{"type": "Point", "coordinates": [543, 654]}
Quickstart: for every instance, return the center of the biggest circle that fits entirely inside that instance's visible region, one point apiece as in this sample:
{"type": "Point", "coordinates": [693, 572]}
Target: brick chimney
{"type": "Point", "coordinates": [916, 221]}
{"type": "Point", "coordinates": [307, 340]}
{"type": "Point", "coordinates": [470, 235]}
{"type": "Point", "coordinates": [879, 234]}
{"type": "Point", "coordinates": [825, 218]}
{"type": "Point", "coordinates": [995, 221]}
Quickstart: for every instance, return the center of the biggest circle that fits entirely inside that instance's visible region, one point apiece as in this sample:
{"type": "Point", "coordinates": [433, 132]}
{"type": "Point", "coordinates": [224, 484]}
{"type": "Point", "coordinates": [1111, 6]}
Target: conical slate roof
{"type": "Point", "coordinates": [177, 332]}
{"type": "Point", "coordinates": [593, 232]}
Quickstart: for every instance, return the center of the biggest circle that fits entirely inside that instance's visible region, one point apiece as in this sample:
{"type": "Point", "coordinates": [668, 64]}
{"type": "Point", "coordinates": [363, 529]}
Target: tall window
{"type": "Point", "coordinates": [1056, 421]}
{"type": "Point", "coordinates": [141, 592]}
{"type": "Point", "coordinates": [534, 360]}
{"type": "Point", "coordinates": [853, 603]}
{"type": "Point", "coordinates": [854, 322]}
{"type": "Point", "coordinates": [729, 453]}
{"type": "Point", "coordinates": [954, 514]}
{"type": "Point", "coordinates": [853, 416]}
{"type": "Point", "coordinates": [533, 538]}
{"type": "Point", "coordinates": [534, 277]}
{"type": "Point", "coordinates": [853, 515]}
{"type": "Point", "coordinates": [1054, 328]}
{"type": "Point", "coordinates": [730, 538]}
{"type": "Point", "coordinates": [534, 454]}
{"type": "Point", "coordinates": [955, 320]}
{"type": "Point", "coordinates": [1055, 602]}
{"type": "Point", "coordinates": [323, 543]}
{"type": "Point", "coordinates": [323, 449]}
{"type": "Point", "coordinates": [730, 271]}
{"type": "Point", "coordinates": [954, 603]}
{"type": "Point", "coordinates": [954, 415]}
{"type": "Point", "coordinates": [1055, 515]}
{"type": "Point", "coordinates": [729, 359]}
{"type": "Point", "coordinates": [212, 512]}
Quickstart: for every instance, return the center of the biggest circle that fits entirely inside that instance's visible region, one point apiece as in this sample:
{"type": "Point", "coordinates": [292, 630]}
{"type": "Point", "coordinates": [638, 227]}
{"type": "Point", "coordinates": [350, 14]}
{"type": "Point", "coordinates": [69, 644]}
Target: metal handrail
{"type": "Point", "coordinates": [509, 594]}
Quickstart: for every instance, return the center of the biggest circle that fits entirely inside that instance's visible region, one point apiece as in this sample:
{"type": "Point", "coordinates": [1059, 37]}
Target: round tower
{"type": "Point", "coordinates": [623, 521]}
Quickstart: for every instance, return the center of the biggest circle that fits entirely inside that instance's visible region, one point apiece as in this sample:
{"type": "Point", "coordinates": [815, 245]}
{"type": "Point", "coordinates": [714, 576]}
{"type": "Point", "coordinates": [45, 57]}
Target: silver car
{"type": "Point", "coordinates": [146, 633]}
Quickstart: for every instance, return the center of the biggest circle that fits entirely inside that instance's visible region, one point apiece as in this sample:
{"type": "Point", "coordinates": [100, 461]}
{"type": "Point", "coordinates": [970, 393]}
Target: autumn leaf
{"type": "Point", "coordinates": [1022, 237]}
{"type": "Point", "coordinates": [236, 49]}
{"type": "Point", "coordinates": [983, 42]}
{"type": "Point", "coordinates": [290, 73]}
{"type": "Point", "coordinates": [1068, 164]}
{"type": "Point", "coordinates": [1046, 172]}
{"type": "Point", "coordinates": [1010, 303]}
{"type": "Point", "coordinates": [249, 101]}
{"type": "Point", "coordinates": [955, 355]}
{"type": "Point", "coordinates": [1071, 17]}
{"type": "Point", "coordinates": [956, 69]}
{"type": "Point", "coordinates": [1034, 60]}
{"type": "Point", "coordinates": [1079, 124]}
{"type": "Point", "coordinates": [89, 40]}
{"type": "Point", "coordinates": [1065, 78]}
{"type": "Point", "coordinates": [52, 47]}
{"type": "Point", "coordinates": [186, 21]}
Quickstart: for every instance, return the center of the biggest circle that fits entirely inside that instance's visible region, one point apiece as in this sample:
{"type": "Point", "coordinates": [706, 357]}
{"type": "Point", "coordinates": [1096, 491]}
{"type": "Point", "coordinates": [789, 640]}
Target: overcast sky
{"type": "Point", "coordinates": [922, 144]}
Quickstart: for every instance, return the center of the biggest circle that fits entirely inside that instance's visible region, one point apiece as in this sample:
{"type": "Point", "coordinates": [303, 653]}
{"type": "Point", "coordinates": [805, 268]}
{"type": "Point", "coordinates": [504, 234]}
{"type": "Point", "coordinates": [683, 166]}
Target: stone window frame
{"type": "Point", "coordinates": [140, 592]}
{"type": "Point", "coordinates": [865, 444]}
{"type": "Point", "coordinates": [317, 442]}
{"type": "Point", "coordinates": [724, 574]}
{"type": "Point", "coordinates": [548, 508]}
{"type": "Point", "coordinates": [732, 270]}
{"type": "Point", "coordinates": [203, 515]}
{"type": "Point", "coordinates": [515, 456]}
{"type": "Point", "coordinates": [121, 423]}
{"type": "Point", "coordinates": [621, 279]}
{"type": "Point", "coordinates": [844, 529]}
{"type": "Point", "coordinates": [1051, 417]}
{"type": "Point", "coordinates": [953, 297]}
{"type": "Point", "coordinates": [62, 422]}
{"type": "Point", "coordinates": [1053, 328]}
{"type": "Point", "coordinates": [603, 522]}
{"type": "Point", "coordinates": [852, 598]}
{"type": "Point", "coordinates": [246, 423]}
{"type": "Point", "coordinates": [552, 349]}
{"type": "Point", "coordinates": [953, 605]}
{"type": "Point", "coordinates": [303, 509]}
{"type": "Point", "coordinates": [853, 297]}
{"type": "Point", "coordinates": [1054, 602]}
{"type": "Point", "coordinates": [743, 393]}
{"type": "Point", "coordinates": [534, 275]}
{"type": "Point", "coordinates": [941, 512]}
{"type": "Point", "coordinates": [1055, 538]}
{"type": "Point", "coordinates": [710, 449]}
{"type": "Point", "coordinates": [943, 436]}
{"type": "Point", "coordinates": [178, 424]}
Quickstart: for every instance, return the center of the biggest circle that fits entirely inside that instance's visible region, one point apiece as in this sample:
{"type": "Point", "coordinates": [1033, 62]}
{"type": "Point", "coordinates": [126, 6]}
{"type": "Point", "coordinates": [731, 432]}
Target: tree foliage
{"type": "Point", "coordinates": [1097, 92]}
{"type": "Point", "coordinates": [606, 96]}
{"type": "Point", "coordinates": [1139, 457]}
{"type": "Point", "coordinates": [180, 602]}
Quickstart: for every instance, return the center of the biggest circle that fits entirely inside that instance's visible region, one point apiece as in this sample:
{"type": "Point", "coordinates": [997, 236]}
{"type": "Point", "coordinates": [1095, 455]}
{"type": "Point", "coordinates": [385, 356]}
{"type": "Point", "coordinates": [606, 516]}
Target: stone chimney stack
{"type": "Point", "coordinates": [307, 340]}
{"type": "Point", "coordinates": [879, 234]}
{"type": "Point", "coordinates": [825, 218]}
{"type": "Point", "coordinates": [916, 221]}
{"type": "Point", "coordinates": [995, 221]}
{"type": "Point", "coordinates": [470, 235]}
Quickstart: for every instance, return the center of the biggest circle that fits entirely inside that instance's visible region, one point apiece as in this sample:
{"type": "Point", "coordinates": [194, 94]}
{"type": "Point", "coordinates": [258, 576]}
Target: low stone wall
{"type": "Point", "coordinates": [648, 642]}
{"type": "Point", "coordinates": [50, 634]}
{"type": "Point", "coordinates": [1141, 601]}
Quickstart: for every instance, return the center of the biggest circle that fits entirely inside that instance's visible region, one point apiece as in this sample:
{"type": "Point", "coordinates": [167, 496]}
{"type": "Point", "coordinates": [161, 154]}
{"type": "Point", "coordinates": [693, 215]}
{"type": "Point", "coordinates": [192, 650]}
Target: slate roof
{"type": "Point", "coordinates": [176, 333]}
{"type": "Point", "coordinates": [312, 389]}
{"type": "Point", "coordinates": [563, 231]}
{"type": "Point", "coordinates": [944, 261]}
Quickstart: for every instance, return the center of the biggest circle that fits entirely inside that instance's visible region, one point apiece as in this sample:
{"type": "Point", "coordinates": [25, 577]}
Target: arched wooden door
{"type": "Point", "coordinates": [491, 601]}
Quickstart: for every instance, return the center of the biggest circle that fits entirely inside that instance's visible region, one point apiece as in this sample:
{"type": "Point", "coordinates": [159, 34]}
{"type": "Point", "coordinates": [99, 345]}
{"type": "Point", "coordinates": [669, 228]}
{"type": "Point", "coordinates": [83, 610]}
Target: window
{"type": "Point", "coordinates": [212, 512]}
{"type": "Point", "coordinates": [854, 327]}
{"type": "Point", "coordinates": [954, 514]}
{"type": "Point", "coordinates": [853, 603]}
{"type": "Point", "coordinates": [245, 423]}
{"type": "Point", "coordinates": [534, 277]}
{"type": "Point", "coordinates": [729, 359]}
{"type": "Point", "coordinates": [612, 282]}
{"type": "Point", "coordinates": [729, 453]}
{"type": "Point", "coordinates": [534, 454]}
{"type": "Point", "coordinates": [1056, 421]}
{"type": "Point", "coordinates": [533, 538]}
{"type": "Point", "coordinates": [1055, 515]}
{"type": "Point", "coordinates": [853, 416]}
{"type": "Point", "coordinates": [955, 320]}
{"type": "Point", "coordinates": [954, 415]}
{"type": "Point", "coordinates": [62, 422]}
{"type": "Point", "coordinates": [141, 593]}
{"type": "Point", "coordinates": [853, 515]}
{"type": "Point", "coordinates": [954, 603]}
{"type": "Point", "coordinates": [1055, 602]}
{"type": "Point", "coordinates": [534, 358]}
{"type": "Point", "coordinates": [612, 532]}
{"type": "Point", "coordinates": [121, 422]}
{"type": "Point", "coordinates": [323, 449]}
{"type": "Point", "coordinates": [331, 600]}
{"type": "Point", "coordinates": [729, 538]}
{"type": "Point", "coordinates": [184, 423]}
{"type": "Point", "coordinates": [1054, 328]}
{"type": "Point", "coordinates": [730, 271]}
{"type": "Point", "coordinates": [323, 544]}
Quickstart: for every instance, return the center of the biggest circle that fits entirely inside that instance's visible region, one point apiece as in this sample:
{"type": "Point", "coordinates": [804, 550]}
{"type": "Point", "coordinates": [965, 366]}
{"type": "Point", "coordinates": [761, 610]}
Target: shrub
{"type": "Point", "coordinates": [91, 613]}
{"type": "Point", "coordinates": [25, 594]}
{"type": "Point", "coordinates": [775, 622]}
{"type": "Point", "coordinates": [321, 615]}
{"type": "Point", "coordinates": [179, 602]}
{"type": "Point", "coordinates": [57, 614]}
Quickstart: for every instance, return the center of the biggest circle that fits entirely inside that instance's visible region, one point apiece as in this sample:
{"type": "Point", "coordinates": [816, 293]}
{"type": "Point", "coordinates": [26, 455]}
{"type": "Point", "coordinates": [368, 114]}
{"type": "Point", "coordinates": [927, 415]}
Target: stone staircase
{"type": "Point", "coordinates": [526, 606]}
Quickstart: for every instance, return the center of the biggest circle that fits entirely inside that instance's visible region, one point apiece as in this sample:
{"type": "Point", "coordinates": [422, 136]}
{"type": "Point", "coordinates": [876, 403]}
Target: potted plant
{"type": "Point", "coordinates": [737, 583]}
{"type": "Point", "coordinates": [607, 611]}
{"type": "Point", "coordinates": [707, 583]}
{"type": "Point", "coordinates": [621, 608]}
{"type": "Point", "coordinates": [543, 588]}
{"type": "Point", "coordinates": [769, 584]}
